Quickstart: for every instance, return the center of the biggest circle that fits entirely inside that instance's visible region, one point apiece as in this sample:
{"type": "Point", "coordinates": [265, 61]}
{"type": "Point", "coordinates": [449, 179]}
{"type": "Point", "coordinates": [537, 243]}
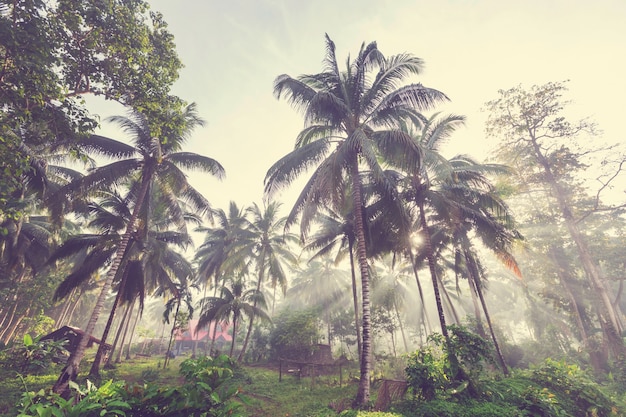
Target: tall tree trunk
{"type": "Point", "coordinates": [258, 288]}
{"type": "Point", "coordinates": [433, 270]}
{"type": "Point", "coordinates": [168, 352]}
{"type": "Point", "coordinates": [71, 369]}
{"type": "Point", "coordinates": [425, 318]}
{"type": "Point", "coordinates": [613, 324]}
{"type": "Point", "coordinates": [132, 333]}
{"type": "Point", "coordinates": [474, 276]}
{"type": "Point", "coordinates": [406, 346]}
{"type": "Point", "coordinates": [363, 393]}
{"type": "Point", "coordinates": [355, 297]}
{"type": "Point", "coordinates": [449, 303]}
{"type": "Point", "coordinates": [120, 328]}
{"type": "Point", "coordinates": [232, 344]}
{"type": "Point", "coordinates": [95, 367]}
{"type": "Point", "coordinates": [126, 326]}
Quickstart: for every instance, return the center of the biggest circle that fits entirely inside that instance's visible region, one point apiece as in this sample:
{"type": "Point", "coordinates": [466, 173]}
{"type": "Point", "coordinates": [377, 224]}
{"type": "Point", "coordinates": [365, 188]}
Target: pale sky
{"type": "Point", "coordinates": [234, 49]}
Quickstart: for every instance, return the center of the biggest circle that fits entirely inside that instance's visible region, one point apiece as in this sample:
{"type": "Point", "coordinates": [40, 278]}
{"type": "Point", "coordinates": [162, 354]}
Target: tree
{"type": "Point", "coordinates": [537, 137]}
{"type": "Point", "coordinates": [267, 245]}
{"type": "Point", "coordinates": [55, 53]}
{"type": "Point", "coordinates": [157, 162]}
{"type": "Point", "coordinates": [351, 118]}
{"type": "Point", "coordinates": [215, 257]}
{"type": "Point", "coordinates": [233, 304]}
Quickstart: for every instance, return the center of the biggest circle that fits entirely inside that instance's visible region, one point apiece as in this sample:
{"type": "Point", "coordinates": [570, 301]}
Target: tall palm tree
{"type": "Point", "coordinates": [351, 118]}
{"type": "Point", "coordinates": [233, 303]}
{"type": "Point", "coordinates": [215, 257]}
{"type": "Point", "coordinates": [268, 246]}
{"type": "Point", "coordinates": [157, 161]}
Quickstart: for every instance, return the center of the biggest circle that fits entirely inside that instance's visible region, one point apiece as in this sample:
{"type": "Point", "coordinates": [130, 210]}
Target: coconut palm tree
{"type": "Point", "coordinates": [215, 257]}
{"type": "Point", "coordinates": [233, 304]}
{"type": "Point", "coordinates": [351, 118]}
{"type": "Point", "coordinates": [157, 161]}
{"type": "Point", "coordinates": [268, 246]}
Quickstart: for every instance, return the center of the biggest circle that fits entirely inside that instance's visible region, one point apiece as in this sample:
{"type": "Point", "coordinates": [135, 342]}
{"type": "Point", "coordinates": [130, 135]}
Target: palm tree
{"type": "Point", "coordinates": [335, 232]}
{"type": "Point", "coordinates": [214, 258]}
{"type": "Point", "coordinates": [268, 246]}
{"type": "Point", "coordinates": [351, 118]}
{"type": "Point", "coordinates": [157, 161]}
{"type": "Point", "coordinates": [233, 303]}
{"type": "Point", "coordinates": [459, 198]}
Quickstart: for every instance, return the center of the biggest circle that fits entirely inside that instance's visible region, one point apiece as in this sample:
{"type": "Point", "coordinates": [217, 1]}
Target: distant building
{"type": "Point", "coordinates": [186, 338]}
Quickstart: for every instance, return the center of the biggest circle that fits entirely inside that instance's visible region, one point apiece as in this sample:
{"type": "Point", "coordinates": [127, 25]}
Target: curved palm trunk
{"type": "Point", "coordinates": [168, 352]}
{"type": "Point", "coordinates": [70, 371]}
{"type": "Point", "coordinates": [126, 326]}
{"type": "Point", "coordinates": [425, 318]}
{"type": "Point", "coordinates": [120, 328]}
{"type": "Point", "coordinates": [355, 298]}
{"type": "Point", "coordinates": [473, 270]}
{"type": "Point", "coordinates": [95, 366]}
{"type": "Point", "coordinates": [363, 393]}
{"type": "Point", "coordinates": [433, 270]}
{"type": "Point", "coordinates": [132, 333]}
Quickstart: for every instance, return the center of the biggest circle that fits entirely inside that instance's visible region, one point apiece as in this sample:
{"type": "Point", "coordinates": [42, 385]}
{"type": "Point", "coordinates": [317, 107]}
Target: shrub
{"type": "Point", "coordinates": [204, 393]}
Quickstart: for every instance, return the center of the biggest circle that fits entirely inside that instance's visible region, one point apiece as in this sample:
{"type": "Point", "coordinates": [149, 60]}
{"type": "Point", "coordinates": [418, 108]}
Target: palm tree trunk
{"type": "Point", "coordinates": [406, 346]}
{"type": "Point", "coordinates": [422, 300]}
{"type": "Point", "coordinates": [258, 288]}
{"type": "Point", "coordinates": [71, 369]}
{"type": "Point", "coordinates": [232, 344]}
{"type": "Point", "coordinates": [473, 273]}
{"type": "Point", "coordinates": [95, 366]}
{"type": "Point", "coordinates": [433, 270]}
{"type": "Point", "coordinates": [126, 326]}
{"type": "Point", "coordinates": [132, 333]}
{"type": "Point", "coordinates": [363, 393]}
{"type": "Point", "coordinates": [169, 344]}
{"type": "Point", "coordinates": [120, 328]}
{"type": "Point", "coordinates": [355, 297]}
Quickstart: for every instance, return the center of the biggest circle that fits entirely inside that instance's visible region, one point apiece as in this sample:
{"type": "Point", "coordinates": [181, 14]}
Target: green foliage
{"type": "Point", "coordinates": [295, 334]}
{"type": "Point", "coordinates": [432, 369]}
{"type": "Point", "coordinates": [203, 393]}
{"type": "Point", "coordinates": [33, 355]}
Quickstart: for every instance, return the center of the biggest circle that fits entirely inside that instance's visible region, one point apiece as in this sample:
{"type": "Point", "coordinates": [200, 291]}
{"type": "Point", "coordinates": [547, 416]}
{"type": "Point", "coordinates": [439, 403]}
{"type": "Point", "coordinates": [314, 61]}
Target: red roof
{"type": "Point", "coordinates": [189, 334]}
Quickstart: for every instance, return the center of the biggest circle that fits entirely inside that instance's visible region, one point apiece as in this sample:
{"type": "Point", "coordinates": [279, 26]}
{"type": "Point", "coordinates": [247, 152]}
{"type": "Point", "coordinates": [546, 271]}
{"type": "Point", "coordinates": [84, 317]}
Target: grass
{"type": "Point", "coordinates": [264, 395]}
{"type": "Point", "coordinates": [261, 392]}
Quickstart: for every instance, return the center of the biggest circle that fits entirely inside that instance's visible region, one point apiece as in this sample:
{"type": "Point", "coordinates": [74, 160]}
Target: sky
{"type": "Point", "coordinates": [234, 49]}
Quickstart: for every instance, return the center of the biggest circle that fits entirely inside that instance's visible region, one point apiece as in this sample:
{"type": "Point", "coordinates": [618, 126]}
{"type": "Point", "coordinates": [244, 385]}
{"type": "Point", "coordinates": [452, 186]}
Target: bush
{"type": "Point", "coordinates": [295, 334]}
{"type": "Point", "coordinates": [204, 393]}
{"type": "Point", "coordinates": [33, 355]}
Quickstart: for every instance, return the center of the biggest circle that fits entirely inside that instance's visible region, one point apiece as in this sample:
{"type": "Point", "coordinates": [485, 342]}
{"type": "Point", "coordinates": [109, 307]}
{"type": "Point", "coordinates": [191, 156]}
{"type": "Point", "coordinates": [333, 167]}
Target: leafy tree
{"type": "Point", "coordinates": [158, 162]}
{"type": "Point", "coordinates": [541, 143]}
{"type": "Point", "coordinates": [54, 53]}
{"type": "Point", "coordinates": [295, 333]}
{"type": "Point", "coordinates": [351, 118]}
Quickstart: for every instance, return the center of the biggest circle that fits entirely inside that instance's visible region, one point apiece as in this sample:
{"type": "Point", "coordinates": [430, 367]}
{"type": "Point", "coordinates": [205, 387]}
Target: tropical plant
{"type": "Point", "coordinates": [268, 246]}
{"type": "Point", "coordinates": [232, 305]}
{"type": "Point", "coordinates": [157, 162]}
{"type": "Point", "coordinates": [352, 118]}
